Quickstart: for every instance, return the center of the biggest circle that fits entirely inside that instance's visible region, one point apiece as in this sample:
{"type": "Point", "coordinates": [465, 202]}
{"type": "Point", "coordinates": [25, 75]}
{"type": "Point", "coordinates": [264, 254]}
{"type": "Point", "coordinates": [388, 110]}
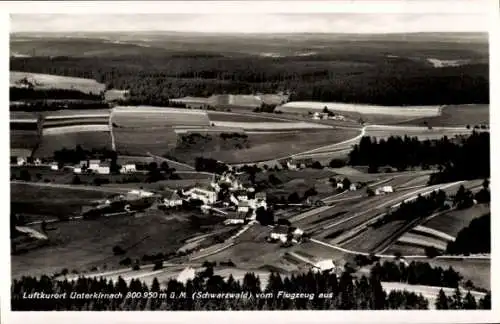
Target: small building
{"type": "Point", "coordinates": [54, 166]}
{"type": "Point", "coordinates": [77, 169]}
{"type": "Point", "coordinates": [93, 164]}
{"type": "Point", "coordinates": [128, 168]}
{"type": "Point", "coordinates": [234, 221]}
{"type": "Point", "coordinates": [172, 200]}
{"type": "Point", "coordinates": [279, 232]}
{"type": "Point", "coordinates": [354, 186]}
{"type": "Point", "coordinates": [316, 116]}
{"type": "Point", "coordinates": [340, 185]}
{"type": "Point", "coordinates": [20, 161]}
{"type": "Point", "coordinates": [384, 190]}
{"type": "Point", "coordinates": [324, 266]}
{"type": "Point", "coordinates": [37, 161]}
{"type": "Point", "coordinates": [243, 207]}
{"type": "Point", "coordinates": [291, 166]}
{"type": "Point", "coordinates": [103, 168]}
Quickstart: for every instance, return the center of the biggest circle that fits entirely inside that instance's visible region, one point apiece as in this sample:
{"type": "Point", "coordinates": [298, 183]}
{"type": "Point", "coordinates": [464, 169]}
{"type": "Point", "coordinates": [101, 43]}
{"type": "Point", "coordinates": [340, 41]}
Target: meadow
{"type": "Point", "coordinates": [69, 138]}
{"type": "Point", "coordinates": [49, 81]}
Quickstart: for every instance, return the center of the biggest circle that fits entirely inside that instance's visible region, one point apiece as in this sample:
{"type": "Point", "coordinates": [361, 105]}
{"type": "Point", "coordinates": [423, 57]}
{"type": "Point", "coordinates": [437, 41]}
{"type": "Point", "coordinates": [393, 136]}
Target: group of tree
{"type": "Point", "coordinates": [210, 165]}
{"type": "Point", "coordinates": [422, 206]}
{"type": "Point", "coordinates": [344, 293]}
{"type": "Point", "coordinates": [21, 94]}
{"type": "Point", "coordinates": [460, 159]}
{"type": "Point", "coordinates": [153, 79]}
{"type": "Point", "coordinates": [416, 273]}
{"type": "Point", "coordinates": [475, 238]}
{"type": "Point", "coordinates": [74, 156]}
{"type": "Point", "coordinates": [458, 301]}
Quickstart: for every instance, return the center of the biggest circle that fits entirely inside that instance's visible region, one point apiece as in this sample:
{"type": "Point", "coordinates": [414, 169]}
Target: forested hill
{"type": "Point", "coordinates": [355, 77]}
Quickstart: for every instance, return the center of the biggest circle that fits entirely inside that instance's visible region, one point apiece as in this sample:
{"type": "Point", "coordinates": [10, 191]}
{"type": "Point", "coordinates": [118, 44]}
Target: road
{"type": "Point", "coordinates": [72, 187]}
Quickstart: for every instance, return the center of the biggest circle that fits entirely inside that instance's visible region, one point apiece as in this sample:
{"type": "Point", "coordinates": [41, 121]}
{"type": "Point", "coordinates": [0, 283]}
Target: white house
{"type": "Point", "coordinates": [279, 232]}
{"type": "Point", "coordinates": [54, 166]}
{"type": "Point", "coordinates": [233, 221]}
{"type": "Point", "coordinates": [103, 168]}
{"type": "Point", "coordinates": [137, 194]}
{"type": "Point", "coordinates": [243, 207]}
{"type": "Point", "coordinates": [291, 166]}
{"type": "Point", "coordinates": [340, 185]}
{"type": "Point", "coordinates": [172, 200]}
{"type": "Point", "coordinates": [128, 168]}
{"type": "Point", "coordinates": [37, 161]}
{"type": "Point", "coordinates": [384, 190]}
{"type": "Point", "coordinates": [234, 200]}
{"type": "Point", "coordinates": [77, 169]}
{"type": "Point", "coordinates": [93, 164]}
{"type": "Point", "coordinates": [21, 161]}
{"type": "Point", "coordinates": [323, 266]}
{"type": "Point", "coordinates": [316, 116]}
{"type": "Point", "coordinates": [353, 187]}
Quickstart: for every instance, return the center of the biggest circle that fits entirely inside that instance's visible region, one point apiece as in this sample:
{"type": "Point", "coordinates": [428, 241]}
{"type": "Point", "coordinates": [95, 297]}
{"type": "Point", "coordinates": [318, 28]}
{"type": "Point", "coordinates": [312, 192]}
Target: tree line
{"type": "Point", "coordinates": [154, 79]}
{"type": "Point", "coordinates": [416, 273]}
{"type": "Point", "coordinates": [475, 238]}
{"type": "Point", "coordinates": [459, 159]}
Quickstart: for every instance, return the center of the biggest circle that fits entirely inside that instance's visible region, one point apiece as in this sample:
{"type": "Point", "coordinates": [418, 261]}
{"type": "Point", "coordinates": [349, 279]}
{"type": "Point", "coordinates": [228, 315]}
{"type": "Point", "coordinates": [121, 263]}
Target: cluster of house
{"type": "Point", "coordinates": [90, 166]}
{"type": "Point", "coordinates": [352, 187]}
{"type": "Point", "coordinates": [325, 116]}
{"type": "Point", "coordinates": [245, 201]}
{"type": "Point", "coordinates": [297, 164]}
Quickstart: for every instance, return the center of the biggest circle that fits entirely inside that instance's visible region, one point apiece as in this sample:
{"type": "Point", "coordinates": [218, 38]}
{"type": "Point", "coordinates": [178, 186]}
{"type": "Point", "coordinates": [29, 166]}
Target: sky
{"type": "Point", "coordinates": [252, 23]}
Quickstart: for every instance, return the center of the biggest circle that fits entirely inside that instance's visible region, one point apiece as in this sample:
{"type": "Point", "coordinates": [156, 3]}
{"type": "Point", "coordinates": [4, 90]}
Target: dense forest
{"type": "Point", "coordinates": [475, 238]}
{"type": "Point", "coordinates": [463, 158]}
{"type": "Point", "coordinates": [153, 79]}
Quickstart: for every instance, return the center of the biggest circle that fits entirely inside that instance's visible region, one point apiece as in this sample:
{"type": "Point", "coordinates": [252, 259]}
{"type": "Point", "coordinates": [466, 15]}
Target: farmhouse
{"type": "Point", "coordinates": [172, 200]}
{"type": "Point", "coordinates": [280, 233]}
{"type": "Point", "coordinates": [77, 170]}
{"type": "Point", "coordinates": [37, 161]}
{"type": "Point", "coordinates": [323, 266]}
{"type": "Point", "coordinates": [93, 164]}
{"type": "Point", "coordinates": [103, 168]}
{"type": "Point", "coordinates": [21, 161]}
{"type": "Point", "coordinates": [54, 166]}
{"type": "Point", "coordinates": [203, 193]}
{"type": "Point", "coordinates": [291, 166]}
{"type": "Point", "coordinates": [243, 207]}
{"type": "Point", "coordinates": [128, 168]}
{"type": "Point", "coordinates": [384, 190]}
{"type": "Point", "coordinates": [138, 194]}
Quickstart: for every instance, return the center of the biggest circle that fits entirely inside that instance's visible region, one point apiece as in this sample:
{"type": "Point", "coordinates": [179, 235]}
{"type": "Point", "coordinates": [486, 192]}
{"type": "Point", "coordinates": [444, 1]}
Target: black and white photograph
{"type": "Point", "coordinates": [204, 161]}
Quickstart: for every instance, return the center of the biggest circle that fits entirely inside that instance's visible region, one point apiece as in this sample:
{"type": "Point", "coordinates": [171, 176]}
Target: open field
{"type": "Point", "coordinates": [140, 141]}
{"type": "Point", "coordinates": [50, 202]}
{"type": "Point", "coordinates": [24, 139]}
{"type": "Point", "coordinates": [76, 113]}
{"type": "Point", "coordinates": [457, 115]}
{"type": "Point", "coordinates": [423, 133]}
{"type": "Point", "coordinates": [83, 244]}
{"type": "Point", "coordinates": [452, 222]}
{"type": "Point", "coordinates": [247, 118]}
{"type": "Point", "coordinates": [24, 116]}
{"type": "Point", "coordinates": [146, 117]}
{"type": "Point", "coordinates": [409, 111]}
{"type": "Point", "coordinates": [264, 147]}
{"type": "Point", "coordinates": [48, 81]}
{"type": "Point", "coordinates": [87, 140]}
{"type": "Point", "coordinates": [274, 126]}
